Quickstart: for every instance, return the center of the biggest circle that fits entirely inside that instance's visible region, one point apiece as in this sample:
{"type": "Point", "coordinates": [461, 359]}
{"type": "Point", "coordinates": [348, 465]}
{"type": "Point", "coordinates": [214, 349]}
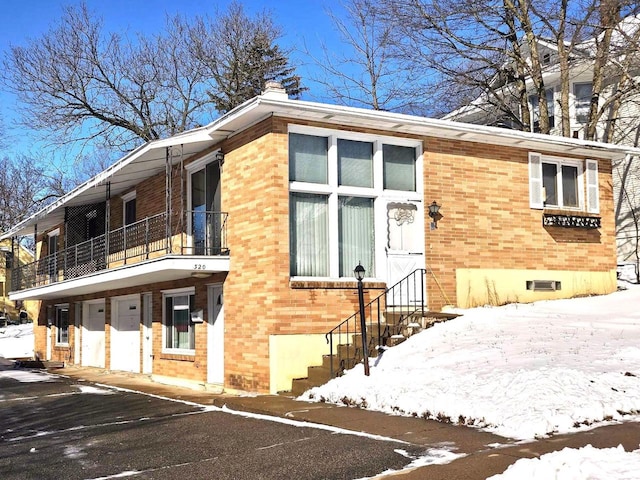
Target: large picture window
{"type": "Point", "coordinates": [336, 180]}
{"type": "Point", "coordinates": [179, 331]}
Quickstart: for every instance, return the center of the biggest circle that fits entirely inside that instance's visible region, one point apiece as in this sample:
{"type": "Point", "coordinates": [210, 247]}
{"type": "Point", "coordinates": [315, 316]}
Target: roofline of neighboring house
{"type": "Point", "coordinates": [263, 106]}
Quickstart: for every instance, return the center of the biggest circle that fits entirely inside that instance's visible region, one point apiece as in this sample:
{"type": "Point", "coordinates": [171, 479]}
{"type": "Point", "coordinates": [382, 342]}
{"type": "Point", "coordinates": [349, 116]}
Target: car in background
{"type": "Point", "coordinates": [6, 320]}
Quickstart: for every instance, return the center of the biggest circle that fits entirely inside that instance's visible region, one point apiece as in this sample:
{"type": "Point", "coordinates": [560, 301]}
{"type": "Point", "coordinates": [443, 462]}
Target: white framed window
{"type": "Point", "coordinates": [62, 325]}
{"type": "Point", "coordinates": [129, 208]}
{"type": "Point", "coordinates": [178, 332]}
{"type": "Point", "coordinates": [535, 110]}
{"type": "Point", "coordinates": [582, 100]}
{"type": "Point", "coordinates": [335, 181]}
{"type": "Point", "coordinates": [561, 183]}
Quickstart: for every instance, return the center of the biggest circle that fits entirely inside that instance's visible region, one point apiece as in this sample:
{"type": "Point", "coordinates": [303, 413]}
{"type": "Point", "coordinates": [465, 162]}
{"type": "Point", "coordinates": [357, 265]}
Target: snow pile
{"type": "Point", "coordinates": [577, 464]}
{"type": "Point", "coordinates": [28, 376]}
{"type": "Point", "coordinates": [16, 341]}
{"type": "Point", "coordinates": [520, 371]}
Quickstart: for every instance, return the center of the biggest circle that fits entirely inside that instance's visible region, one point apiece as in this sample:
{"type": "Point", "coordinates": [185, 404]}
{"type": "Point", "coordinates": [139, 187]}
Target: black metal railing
{"type": "Point", "coordinates": [133, 243]}
{"type": "Point", "coordinates": [209, 233]}
{"type": "Point", "coordinates": [385, 317]}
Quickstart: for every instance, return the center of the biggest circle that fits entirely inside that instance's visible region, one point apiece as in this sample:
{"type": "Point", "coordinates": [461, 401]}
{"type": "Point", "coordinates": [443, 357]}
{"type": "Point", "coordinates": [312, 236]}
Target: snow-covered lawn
{"type": "Point", "coordinates": [577, 464]}
{"type": "Point", "coordinates": [16, 341]}
{"type": "Point", "coordinates": [522, 371]}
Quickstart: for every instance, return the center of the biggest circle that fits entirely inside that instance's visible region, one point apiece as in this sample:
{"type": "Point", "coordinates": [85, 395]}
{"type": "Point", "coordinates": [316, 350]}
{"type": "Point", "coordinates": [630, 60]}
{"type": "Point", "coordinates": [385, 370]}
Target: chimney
{"type": "Point", "coordinates": [274, 90]}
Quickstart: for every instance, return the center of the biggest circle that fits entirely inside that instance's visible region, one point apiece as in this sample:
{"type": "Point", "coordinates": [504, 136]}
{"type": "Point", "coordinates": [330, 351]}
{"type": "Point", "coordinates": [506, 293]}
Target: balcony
{"type": "Point", "coordinates": [152, 249]}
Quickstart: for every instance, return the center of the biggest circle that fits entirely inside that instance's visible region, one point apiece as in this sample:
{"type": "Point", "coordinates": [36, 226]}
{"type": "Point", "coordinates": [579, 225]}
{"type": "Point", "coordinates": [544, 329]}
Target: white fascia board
{"type": "Point", "coordinates": [161, 269]}
{"type": "Point", "coordinates": [446, 128]}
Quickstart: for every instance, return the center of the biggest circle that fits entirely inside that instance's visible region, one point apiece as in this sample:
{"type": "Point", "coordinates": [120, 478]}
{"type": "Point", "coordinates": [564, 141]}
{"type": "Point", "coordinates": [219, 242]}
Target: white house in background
{"type": "Point", "coordinates": [626, 174]}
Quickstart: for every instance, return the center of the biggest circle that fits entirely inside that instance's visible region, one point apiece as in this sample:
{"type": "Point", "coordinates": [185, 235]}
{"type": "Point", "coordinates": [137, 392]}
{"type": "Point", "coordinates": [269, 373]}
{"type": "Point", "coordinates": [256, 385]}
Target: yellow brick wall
{"type": "Point", "coordinates": [486, 224]}
{"type": "Point", "coordinates": [487, 221]}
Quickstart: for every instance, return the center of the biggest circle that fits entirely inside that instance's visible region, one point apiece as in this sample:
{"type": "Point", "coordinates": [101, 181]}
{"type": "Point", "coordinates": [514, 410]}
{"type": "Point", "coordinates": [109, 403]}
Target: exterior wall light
{"type": "Point", "coordinates": [434, 213]}
{"type": "Point", "coordinates": [220, 159]}
{"type": "Point", "coordinates": [434, 209]}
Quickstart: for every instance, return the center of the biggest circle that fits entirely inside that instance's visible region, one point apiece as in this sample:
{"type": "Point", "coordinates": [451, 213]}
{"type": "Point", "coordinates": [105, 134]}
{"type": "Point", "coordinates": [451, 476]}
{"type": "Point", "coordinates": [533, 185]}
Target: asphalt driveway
{"type": "Point", "coordinates": [64, 428]}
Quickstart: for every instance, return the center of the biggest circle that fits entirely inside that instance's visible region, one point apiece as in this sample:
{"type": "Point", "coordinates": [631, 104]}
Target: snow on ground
{"type": "Point", "coordinates": [16, 341]}
{"type": "Point", "coordinates": [577, 464]}
{"type": "Point", "coordinates": [522, 371]}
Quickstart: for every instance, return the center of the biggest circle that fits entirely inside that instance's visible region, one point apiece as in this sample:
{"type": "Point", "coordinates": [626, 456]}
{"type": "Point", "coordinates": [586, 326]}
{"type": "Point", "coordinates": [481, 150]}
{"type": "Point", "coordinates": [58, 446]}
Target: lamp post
{"type": "Point", "coordinates": [359, 272]}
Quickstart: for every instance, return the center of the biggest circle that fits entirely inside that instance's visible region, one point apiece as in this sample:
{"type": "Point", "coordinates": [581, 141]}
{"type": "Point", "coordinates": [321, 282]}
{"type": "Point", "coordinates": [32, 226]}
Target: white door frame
{"type": "Point", "coordinates": [49, 346]}
{"type": "Point", "coordinates": [215, 334]}
{"type": "Point", "coordinates": [76, 332]}
{"type": "Point", "coordinates": [147, 333]}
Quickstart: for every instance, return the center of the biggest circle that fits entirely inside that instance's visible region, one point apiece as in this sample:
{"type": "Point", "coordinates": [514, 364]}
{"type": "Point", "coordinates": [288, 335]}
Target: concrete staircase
{"type": "Point", "coordinates": [394, 329]}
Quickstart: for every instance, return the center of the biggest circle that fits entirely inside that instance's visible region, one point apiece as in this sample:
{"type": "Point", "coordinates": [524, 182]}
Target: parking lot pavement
{"type": "Point", "coordinates": [56, 427]}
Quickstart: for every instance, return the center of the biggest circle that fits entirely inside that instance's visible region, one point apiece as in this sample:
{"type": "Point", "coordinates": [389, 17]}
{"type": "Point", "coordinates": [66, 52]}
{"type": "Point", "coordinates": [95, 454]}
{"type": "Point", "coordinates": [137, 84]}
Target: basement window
{"type": "Point", "coordinates": [544, 285]}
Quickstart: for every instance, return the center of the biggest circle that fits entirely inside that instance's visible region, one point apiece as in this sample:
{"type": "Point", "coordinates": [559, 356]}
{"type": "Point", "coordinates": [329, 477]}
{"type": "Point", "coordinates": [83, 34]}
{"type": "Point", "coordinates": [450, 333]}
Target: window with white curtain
{"type": "Point", "coordinates": [336, 179]}
{"type": "Point", "coordinates": [356, 234]}
{"type": "Point", "coordinates": [309, 235]}
{"type": "Point", "coordinates": [179, 332]}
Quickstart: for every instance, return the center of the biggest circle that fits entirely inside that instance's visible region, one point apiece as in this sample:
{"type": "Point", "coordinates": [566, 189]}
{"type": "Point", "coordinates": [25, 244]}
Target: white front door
{"type": "Point", "coordinates": [215, 335]}
{"type": "Point", "coordinates": [147, 334]}
{"type": "Point", "coordinates": [93, 335]}
{"type": "Point", "coordinates": [125, 334]}
{"type": "Point", "coordinates": [405, 250]}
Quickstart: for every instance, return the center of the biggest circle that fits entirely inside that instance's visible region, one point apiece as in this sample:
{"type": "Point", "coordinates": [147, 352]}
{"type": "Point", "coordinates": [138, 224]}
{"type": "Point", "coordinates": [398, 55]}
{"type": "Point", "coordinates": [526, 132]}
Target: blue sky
{"type": "Point", "coordinates": [304, 22]}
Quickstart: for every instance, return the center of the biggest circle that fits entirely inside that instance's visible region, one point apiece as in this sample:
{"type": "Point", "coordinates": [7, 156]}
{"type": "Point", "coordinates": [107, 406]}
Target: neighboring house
{"type": "Point", "coordinates": [10, 256]}
{"type": "Point", "coordinates": [625, 122]}
{"type": "Point", "coordinates": [274, 204]}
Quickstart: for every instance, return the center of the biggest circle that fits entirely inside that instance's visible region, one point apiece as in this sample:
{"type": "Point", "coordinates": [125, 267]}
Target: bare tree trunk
{"type": "Point", "coordinates": [521, 11]}
{"type": "Point", "coordinates": [609, 17]}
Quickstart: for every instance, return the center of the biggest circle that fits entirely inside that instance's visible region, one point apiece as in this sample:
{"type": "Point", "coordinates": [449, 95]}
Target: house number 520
{"type": "Point", "coordinates": [199, 266]}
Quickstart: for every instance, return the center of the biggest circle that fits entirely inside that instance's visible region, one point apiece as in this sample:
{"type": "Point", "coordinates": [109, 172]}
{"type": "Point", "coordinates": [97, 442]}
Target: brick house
{"type": "Point", "coordinates": [131, 266]}
{"type": "Point", "coordinates": [12, 255]}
